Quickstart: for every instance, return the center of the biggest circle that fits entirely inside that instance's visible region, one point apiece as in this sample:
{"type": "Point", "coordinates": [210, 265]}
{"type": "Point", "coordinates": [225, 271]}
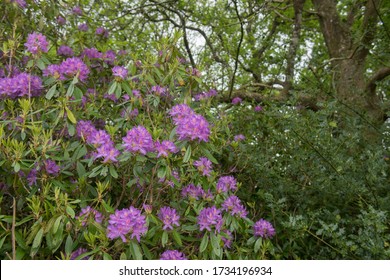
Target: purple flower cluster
{"type": "Point", "coordinates": [65, 51]}
{"type": "Point", "coordinates": [32, 177]}
{"type": "Point", "coordinates": [71, 67]}
{"type": "Point", "coordinates": [83, 27]}
{"type": "Point", "coordinates": [192, 191]}
{"type": "Point", "coordinates": [79, 252]}
{"type": "Point", "coordinates": [169, 217]}
{"type": "Point", "coordinates": [239, 138]}
{"type": "Point", "coordinates": [36, 43]}
{"type": "Point", "coordinates": [258, 108]}
{"type": "Point", "coordinates": [51, 167]}
{"type": "Point", "coordinates": [91, 53]}
{"type": "Point", "coordinates": [233, 205]}
{"type": "Point", "coordinates": [138, 139]}
{"type": "Point", "coordinates": [227, 241]}
{"type": "Point", "coordinates": [236, 100]}
{"type": "Point", "coordinates": [20, 85]}
{"type": "Point", "coordinates": [127, 113]}
{"type": "Point", "coordinates": [164, 148]}
{"type": "Point", "coordinates": [190, 126]}
{"type": "Point", "coordinates": [77, 11]}
{"type": "Point", "coordinates": [88, 212]}
{"type": "Point", "coordinates": [120, 72]}
{"type": "Point", "coordinates": [61, 20]}
{"type": "Point", "coordinates": [105, 147]}
{"type": "Point", "coordinates": [101, 31]}
{"type": "Point", "coordinates": [172, 255]}
{"type": "Point", "coordinates": [204, 166]}
{"type": "Point", "coordinates": [109, 57]}
{"type": "Point", "coordinates": [21, 3]}
{"type": "Point", "coordinates": [205, 95]}
{"type": "Point", "coordinates": [210, 217]}
{"type": "Point", "coordinates": [263, 228]}
{"type": "Point", "coordinates": [85, 129]}
{"type": "Point", "coordinates": [226, 183]}
{"type": "Point", "coordinates": [126, 221]}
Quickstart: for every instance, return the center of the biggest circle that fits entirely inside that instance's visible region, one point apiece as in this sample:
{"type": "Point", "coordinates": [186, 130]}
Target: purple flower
{"type": "Point", "coordinates": [91, 53]}
{"type": "Point", "coordinates": [236, 100]}
{"type": "Point", "coordinates": [227, 241]}
{"type": "Point", "coordinates": [32, 177]}
{"type": "Point", "coordinates": [54, 71]}
{"type": "Point", "coordinates": [233, 205]}
{"type": "Point", "coordinates": [85, 130]}
{"type": "Point", "coordinates": [74, 66]}
{"type": "Point", "coordinates": [169, 217]}
{"type": "Point", "coordinates": [258, 108]}
{"type": "Point", "coordinates": [164, 148]}
{"type": "Point", "coordinates": [179, 112]}
{"type": "Point", "coordinates": [204, 166]}
{"type": "Point", "coordinates": [120, 72]}
{"type": "Point", "coordinates": [126, 221]}
{"type": "Point", "coordinates": [159, 90]}
{"type": "Point", "coordinates": [239, 137]}
{"type": "Point", "coordinates": [61, 20]}
{"type": "Point", "coordinates": [172, 255]}
{"type": "Point", "coordinates": [20, 85]}
{"type": "Point", "coordinates": [21, 3]}
{"type": "Point", "coordinates": [79, 252]}
{"type": "Point", "coordinates": [263, 228]}
{"type": "Point", "coordinates": [83, 27]}
{"type": "Point", "coordinates": [65, 51]}
{"type": "Point", "coordinates": [192, 191]}
{"type": "Point", "coordinates": [147, 208]}
{"type": "Point", "coordinates": [109, 57]}
{"type": "Point", "coordinates": [138, 139]}
{"type": "Point", "coordinates": [88, 212]}
{"type": "Point", "coordinates": [193, 127]}
{"type": "Point", "coordinates": [101, 31]}
{"type": "Point", "coordinates": [51, 167]}
{"type": "Point", "coordinates": [36, 42]}
{"type": "Point", "coordinates": [108, 152]}
{"type": "Point", "coordinates": [226, 183]}
{"type": "Point", "coordinates": [210, 217]}
{"type": "Point", "coordinates": [77, 11]}
{"type": "Point", "coordinates": [100, 137]}
{"type": "Point", "coordinates": [127, 113]}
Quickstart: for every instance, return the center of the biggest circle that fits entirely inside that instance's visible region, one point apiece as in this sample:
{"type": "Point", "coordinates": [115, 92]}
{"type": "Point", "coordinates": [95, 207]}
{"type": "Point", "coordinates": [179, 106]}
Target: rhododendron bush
{"type": "Point", "coordinates": [108, 154]}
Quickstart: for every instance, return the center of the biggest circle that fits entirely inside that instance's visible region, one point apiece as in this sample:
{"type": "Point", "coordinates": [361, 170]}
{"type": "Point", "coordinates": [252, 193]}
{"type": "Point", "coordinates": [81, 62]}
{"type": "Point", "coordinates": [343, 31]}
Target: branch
{"type": "Point", "coordinates": [238, 48]}
{"type": "Point", "coordinates": [377, 77]}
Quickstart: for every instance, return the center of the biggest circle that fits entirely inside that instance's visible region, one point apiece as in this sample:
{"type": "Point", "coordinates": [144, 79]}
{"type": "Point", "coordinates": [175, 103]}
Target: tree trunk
{"type": "Point", "coordinates": [348, 57]}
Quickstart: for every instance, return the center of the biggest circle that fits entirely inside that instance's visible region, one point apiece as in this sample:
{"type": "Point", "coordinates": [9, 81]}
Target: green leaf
{"type": "Point", "coordinates": [80, 169]}
{"type": "Point", "coordinates": [164, 238]}
{"type": "Point", "coordinates": [70, 90]}
{"type": "Point", "coordinates": [16, 167]}
{"type": "Point", "coordinates": [215, 243]}
{"type": "Point", "coordinates": [204, 243]}
{"type": "Point", "coordinates": [78, 94]}
{"type": "Point", "coordinates": [162, 171]}
{"type": "Point", "coordinates": [113, 172]}
{"type": "Point", "coordinates": [177, 238]}
{"type": "Point", "coordinates": [56, 224]}
{"type": "Point", "coordinates": [70, 115]}
{"type": "Point", "coordinates": [41, 65]}
{"type": "Point", "coordinates": [187, 155]}
{"type": "Point", "coordinates": [112, 88]}
{"type": "Point", "coordinates": [209, 155]}
{"type": "Point", "coordinates": [51, 92]}
{"type": "Point", "coordinates": [118, 91]}
{"type": "Point", "coordinates": [135, 250]}
{"type": "Point", "coordinates": [38, 239]}
{"type": "Point", "coordinates": [2, 241]}
{"type": "Point", "coordinates": [123, 256]}
{"type": "Point", "coordinates": [126, 87]}
{"type": "Point", "coordinates": [68, 245]}
{"type": "Point", "coordinates": [258, 244]}
{"type": "Point", "coordinates": [106, 256]}
{"type": "Point", "coordinates": [70, 211]}
{"type": "Point", "coordinates": [147, 252]}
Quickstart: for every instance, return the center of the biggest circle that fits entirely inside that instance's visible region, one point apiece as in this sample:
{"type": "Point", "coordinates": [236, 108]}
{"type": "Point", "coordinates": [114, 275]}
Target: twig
{"type": "Point", "coordinates": [13, 230]}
